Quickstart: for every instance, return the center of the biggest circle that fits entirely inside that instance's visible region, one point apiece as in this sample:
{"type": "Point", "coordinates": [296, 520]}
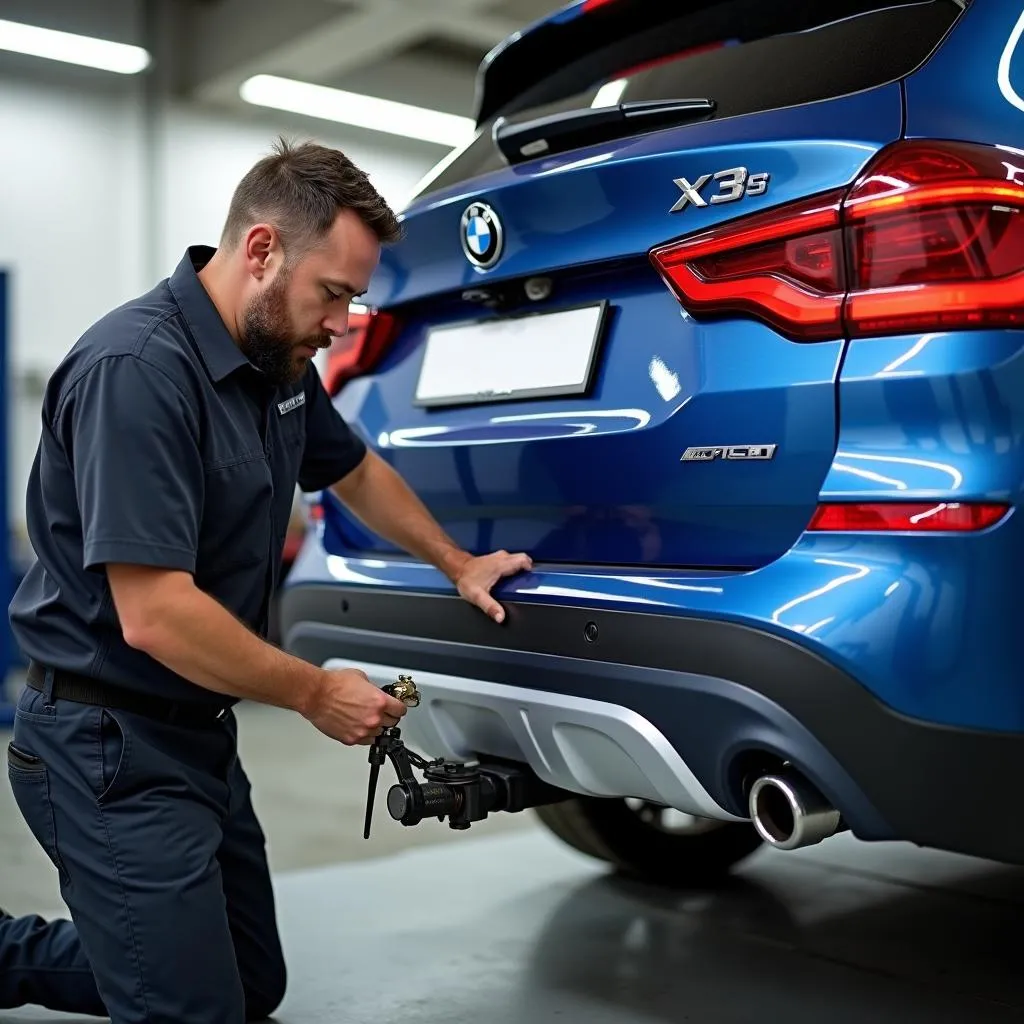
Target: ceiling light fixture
{"type": "Point", "coordinates": [72, 49]}
{"type": "Point", "coordinates": [352, 108]}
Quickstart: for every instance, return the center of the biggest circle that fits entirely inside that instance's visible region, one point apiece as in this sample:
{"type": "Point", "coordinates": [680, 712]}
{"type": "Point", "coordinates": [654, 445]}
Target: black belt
{"type": "Point", "coordinates": [85, 690]}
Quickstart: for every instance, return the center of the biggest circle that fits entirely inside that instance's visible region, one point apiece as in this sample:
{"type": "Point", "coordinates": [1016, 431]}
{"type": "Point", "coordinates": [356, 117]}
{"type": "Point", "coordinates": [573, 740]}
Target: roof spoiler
{"type": "Point", "coordinates": [590, 41]}
{"type": "Point", "coordinates": [561, 41]}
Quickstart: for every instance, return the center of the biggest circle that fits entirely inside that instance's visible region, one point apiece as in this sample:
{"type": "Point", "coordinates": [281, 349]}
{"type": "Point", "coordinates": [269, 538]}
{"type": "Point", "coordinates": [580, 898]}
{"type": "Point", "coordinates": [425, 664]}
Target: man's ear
{"type": "Point", "coordinates": [261, 248]}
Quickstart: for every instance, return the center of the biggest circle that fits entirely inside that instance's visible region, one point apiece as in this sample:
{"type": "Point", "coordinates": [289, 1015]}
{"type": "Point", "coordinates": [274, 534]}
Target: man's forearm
{"type": "Point", "coordinates": [195, 636]}
{"type": "Point", "coordinates": [383, 501]}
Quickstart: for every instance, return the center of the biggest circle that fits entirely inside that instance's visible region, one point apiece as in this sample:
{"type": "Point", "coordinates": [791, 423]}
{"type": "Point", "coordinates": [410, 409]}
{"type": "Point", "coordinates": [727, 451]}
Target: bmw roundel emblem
{"type": "Point", "coordinates": [482, 237]}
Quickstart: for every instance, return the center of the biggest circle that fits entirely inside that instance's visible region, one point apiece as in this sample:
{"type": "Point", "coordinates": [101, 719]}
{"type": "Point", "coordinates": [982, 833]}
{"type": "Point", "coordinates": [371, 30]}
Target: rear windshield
{"type": "Point", "coordinates": [780, 69]}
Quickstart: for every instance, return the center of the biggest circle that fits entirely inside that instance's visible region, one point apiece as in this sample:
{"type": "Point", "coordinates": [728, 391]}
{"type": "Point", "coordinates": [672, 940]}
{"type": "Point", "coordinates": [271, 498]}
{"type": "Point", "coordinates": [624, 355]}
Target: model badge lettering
{"type": "Point", "coordinates": [290, 404]}
{"type": "Point", "coordinates": [731, 452]}
{"type": "Point", "coordinates": [733, 183]}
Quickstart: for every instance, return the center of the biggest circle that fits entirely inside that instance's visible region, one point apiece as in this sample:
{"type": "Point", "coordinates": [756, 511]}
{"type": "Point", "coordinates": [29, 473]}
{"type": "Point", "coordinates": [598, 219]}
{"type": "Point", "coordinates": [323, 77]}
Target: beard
{"type": "Point", "coordinates": [268, 340]}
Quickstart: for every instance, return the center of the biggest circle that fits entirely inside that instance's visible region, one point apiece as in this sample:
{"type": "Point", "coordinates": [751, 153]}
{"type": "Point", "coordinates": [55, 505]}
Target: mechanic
{"type": "Point", "coordinates": [174, 434]}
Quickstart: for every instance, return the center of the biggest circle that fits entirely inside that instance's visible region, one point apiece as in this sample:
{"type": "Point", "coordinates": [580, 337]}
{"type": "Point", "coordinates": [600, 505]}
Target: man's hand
{"type": "Point", "coordinates": [478, 575]}
{"type": "Point", "coordinates": [351, 709]}
{"type": "Point", "coordinates": [382, 500]}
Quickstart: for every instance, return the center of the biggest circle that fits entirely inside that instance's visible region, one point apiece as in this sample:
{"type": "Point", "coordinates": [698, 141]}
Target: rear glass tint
{"type": "Point", "coordinates": [781, 70]}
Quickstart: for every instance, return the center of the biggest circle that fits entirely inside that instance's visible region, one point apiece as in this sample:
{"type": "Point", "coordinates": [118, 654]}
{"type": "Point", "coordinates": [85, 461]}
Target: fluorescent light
{"type": "Point", "coordinates": [354, 109]}
{"type": "Point", "coordinates": [610, 93]}
{"type": "Point", "coordinates": [72, 49]}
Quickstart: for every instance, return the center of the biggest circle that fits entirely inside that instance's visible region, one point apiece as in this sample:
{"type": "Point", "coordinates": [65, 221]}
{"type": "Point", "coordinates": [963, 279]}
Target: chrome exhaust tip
{"type": "Point", "coordinates": [789, 813]}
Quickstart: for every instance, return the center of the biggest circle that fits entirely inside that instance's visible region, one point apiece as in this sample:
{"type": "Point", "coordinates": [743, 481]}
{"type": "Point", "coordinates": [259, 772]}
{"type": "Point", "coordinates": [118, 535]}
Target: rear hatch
{"type": "Point", "coordinates": [542, 386]}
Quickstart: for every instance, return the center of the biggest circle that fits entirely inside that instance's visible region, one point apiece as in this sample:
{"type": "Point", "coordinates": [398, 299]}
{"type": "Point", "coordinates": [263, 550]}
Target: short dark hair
{"type": "Point", "coordinates": [300, 189]}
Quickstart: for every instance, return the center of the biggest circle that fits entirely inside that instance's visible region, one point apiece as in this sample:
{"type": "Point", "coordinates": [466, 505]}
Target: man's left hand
{"type": "Point", "coordinates": [478, 576]}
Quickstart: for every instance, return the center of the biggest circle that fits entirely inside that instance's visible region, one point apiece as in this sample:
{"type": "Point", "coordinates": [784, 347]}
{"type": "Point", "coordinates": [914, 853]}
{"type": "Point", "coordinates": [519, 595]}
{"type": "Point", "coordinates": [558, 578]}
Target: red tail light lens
{"type": "Point", "coordinates": [369, 334]}
{"type": "Point", "coordinates": [936, 238]}
{"type": "Point", "coordinates": [784, 266]}
{"type": "Point", "coordinates": [930, 237]}
{"type": "Point", "coordinates": [919, 517]}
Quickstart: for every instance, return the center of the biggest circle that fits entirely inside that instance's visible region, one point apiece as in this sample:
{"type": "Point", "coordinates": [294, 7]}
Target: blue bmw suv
{"type": "Point", "coordinates": [720, 317]}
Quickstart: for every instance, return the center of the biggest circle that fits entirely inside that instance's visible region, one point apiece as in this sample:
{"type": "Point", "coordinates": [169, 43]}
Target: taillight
{"type": "Point", "coordinates": [784, 266]}
{"type": "Point", "coordinates": [368, 336]}
{"type": "Point", "coordinates": [917, 517]}
{"type": "Point", "coordinates": [930, 237]}
{"type": "Point", "coordinates": [936, 238]}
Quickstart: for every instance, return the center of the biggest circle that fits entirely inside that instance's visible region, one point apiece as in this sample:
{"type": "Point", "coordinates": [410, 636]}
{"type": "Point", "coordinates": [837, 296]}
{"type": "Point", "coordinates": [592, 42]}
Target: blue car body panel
{"type": "Point", "coordinates": [664, 382]}
{"type": "Point", "coordinates": [912, 620]}
{"type": "Point", "coordinates": [662, 514]}
{"type": "Point", "coordinates": [613, 200]}
{"type": "Point", "coordinates": [926, 624]}
{"type": "Point", "coordinates": [973, 87]}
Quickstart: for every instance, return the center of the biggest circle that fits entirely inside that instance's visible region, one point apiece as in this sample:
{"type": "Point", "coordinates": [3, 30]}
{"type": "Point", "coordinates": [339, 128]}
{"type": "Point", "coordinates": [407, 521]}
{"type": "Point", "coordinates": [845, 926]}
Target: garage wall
{"type": "Point", "coordinates": [70, 234]}
{"type": "Point", "coordinates": [205, 155]}
{"type": "Point", "coordinates": [100, 196]}
{"type": "Point", "coordinates": [70, 219]}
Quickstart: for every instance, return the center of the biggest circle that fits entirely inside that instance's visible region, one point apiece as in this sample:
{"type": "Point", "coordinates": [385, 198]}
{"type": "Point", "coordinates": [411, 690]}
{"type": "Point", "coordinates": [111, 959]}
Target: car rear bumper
{"type": "Point", "coordinates": [666, 707]}
{"type": "Point", "coordinates": [586, 746]}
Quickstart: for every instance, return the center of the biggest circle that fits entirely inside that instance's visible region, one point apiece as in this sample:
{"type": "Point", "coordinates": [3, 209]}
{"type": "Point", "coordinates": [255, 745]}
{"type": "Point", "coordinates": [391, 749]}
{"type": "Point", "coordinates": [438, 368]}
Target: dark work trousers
{"type": "Point", "coordinates": [161, 862]}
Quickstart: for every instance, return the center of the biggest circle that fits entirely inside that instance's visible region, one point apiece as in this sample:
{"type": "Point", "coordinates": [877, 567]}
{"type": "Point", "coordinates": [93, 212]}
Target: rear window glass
{"type": "Point", "coordinates": [782, 70]}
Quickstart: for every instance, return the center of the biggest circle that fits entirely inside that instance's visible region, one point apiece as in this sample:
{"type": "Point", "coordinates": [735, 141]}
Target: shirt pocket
{"type": "Point", "coordinates": [237, 510]}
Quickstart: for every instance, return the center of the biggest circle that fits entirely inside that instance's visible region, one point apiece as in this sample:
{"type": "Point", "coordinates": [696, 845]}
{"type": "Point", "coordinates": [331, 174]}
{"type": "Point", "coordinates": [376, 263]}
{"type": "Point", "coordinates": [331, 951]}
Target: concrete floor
{"type": "Point", "coordinates": [507, 926]}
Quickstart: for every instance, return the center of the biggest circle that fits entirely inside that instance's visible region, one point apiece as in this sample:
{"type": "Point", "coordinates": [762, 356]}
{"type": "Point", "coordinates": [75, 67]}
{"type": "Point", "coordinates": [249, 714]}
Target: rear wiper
{"type": "Point", "coordinates": [573, 129]}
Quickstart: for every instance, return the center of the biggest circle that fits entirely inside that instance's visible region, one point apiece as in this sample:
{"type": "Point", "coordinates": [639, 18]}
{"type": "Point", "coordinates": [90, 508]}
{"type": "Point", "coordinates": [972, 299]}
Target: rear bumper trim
{"type": "Point", "coordinates": [586, 746]}
{"type": "Point", "coordinates": [718, 691]}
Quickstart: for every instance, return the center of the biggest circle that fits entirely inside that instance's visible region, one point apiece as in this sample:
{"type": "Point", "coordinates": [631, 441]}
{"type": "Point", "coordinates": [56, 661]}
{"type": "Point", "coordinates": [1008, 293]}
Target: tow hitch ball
{"type": "Point", "coordinates": [463, 793]}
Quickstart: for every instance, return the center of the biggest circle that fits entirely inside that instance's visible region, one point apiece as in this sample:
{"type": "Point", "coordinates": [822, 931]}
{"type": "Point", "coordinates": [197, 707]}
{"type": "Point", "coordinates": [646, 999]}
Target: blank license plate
{"type": "Point", "coordinates": [533, 356]}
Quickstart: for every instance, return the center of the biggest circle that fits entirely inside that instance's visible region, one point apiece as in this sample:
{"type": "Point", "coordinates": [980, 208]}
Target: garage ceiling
{"type": "Point", "coordinates": [424, 52]}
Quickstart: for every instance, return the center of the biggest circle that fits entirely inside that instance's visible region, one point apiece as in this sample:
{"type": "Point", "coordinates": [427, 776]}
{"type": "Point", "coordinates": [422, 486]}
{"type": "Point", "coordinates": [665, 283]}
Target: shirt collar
{"type": "Point", "coordinates": [218, 349]}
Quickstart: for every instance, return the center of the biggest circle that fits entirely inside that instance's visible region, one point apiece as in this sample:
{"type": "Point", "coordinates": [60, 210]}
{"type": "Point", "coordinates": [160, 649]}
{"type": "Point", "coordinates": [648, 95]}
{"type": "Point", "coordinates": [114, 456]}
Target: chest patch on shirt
{"type": "Point", "coordinates": [291, 404]}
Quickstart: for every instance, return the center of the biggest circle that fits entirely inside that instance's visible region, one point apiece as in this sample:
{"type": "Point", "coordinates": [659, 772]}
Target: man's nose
{"type": "Point", "coordinates": [336, 324]}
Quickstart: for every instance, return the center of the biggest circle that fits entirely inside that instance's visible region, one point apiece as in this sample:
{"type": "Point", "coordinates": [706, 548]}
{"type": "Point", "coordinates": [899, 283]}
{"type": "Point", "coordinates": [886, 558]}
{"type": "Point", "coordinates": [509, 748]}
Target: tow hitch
{"type": "Point", "coordinates": [463, 793]}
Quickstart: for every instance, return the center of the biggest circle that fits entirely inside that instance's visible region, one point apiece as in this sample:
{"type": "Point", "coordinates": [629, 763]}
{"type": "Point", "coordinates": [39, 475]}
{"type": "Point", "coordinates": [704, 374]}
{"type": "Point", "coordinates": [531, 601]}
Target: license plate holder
{"type": "Point", "coordinates": [512, 358]}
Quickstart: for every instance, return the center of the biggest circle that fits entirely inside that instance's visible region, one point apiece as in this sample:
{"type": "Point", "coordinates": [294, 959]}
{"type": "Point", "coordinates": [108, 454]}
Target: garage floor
{"type": "Point", "coordinates": [504, 925]}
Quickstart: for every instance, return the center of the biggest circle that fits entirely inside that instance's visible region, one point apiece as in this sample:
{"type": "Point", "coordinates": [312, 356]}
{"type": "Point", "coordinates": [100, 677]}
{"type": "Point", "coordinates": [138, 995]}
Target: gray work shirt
{"type": "Point", "coordinates": [162, 445]}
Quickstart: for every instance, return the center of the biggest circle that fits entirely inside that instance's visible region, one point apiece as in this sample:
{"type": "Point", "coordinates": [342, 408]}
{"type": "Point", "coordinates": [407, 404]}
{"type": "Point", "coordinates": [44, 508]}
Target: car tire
{"type": "Point", "coordinates": [648, 842]}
